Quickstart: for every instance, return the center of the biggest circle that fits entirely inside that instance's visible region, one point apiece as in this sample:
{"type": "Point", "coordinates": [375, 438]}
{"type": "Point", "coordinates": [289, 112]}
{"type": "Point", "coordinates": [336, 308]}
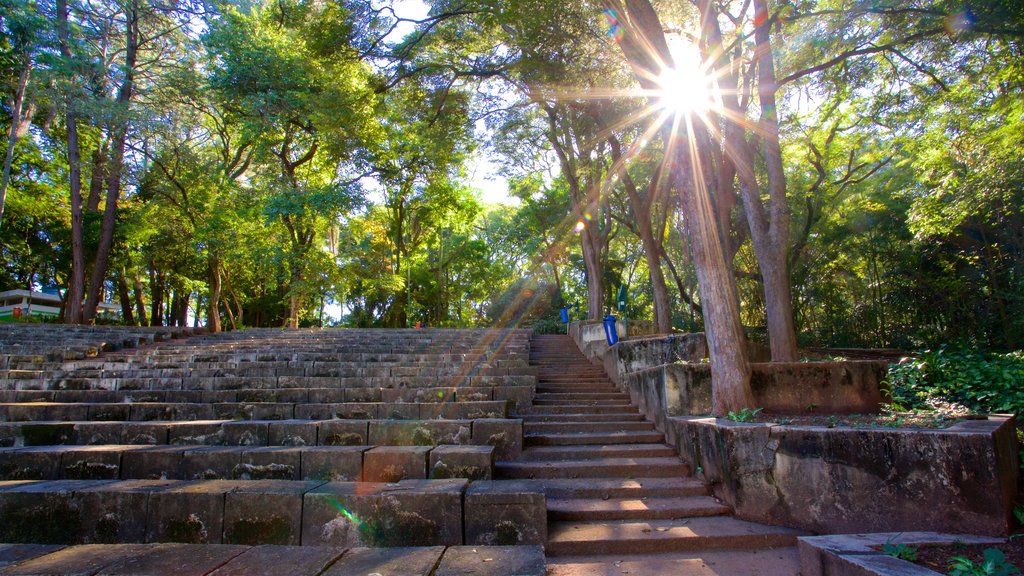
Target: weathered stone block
{"type": "Point", "coordinates": [506, 512]}
{"type": "Point", "coordinates": [269, 463]}
{"type": "Point", "coordinates": [252, 433]}
{"type": "Point", "coordinates": [343, 433]}
{"type": "Point", "coordinates": [411, 513]}
{"type": "Point", "coordinates": [420, 432]}
{"type": "Point", "coordinates": [116, 513]}
{"type": "Point", "coordinates": [172, 559]}
{"type": "Point", "coordinates": [154, 463]}
{"type": "Point", "coordinates": [362, 394]}
{"type": "Point", "coordinates": [280, 561]}
{"type": "Point", "coordinates": [394, 463]}
{"type": "Point", "coordinates": [42, 512]}
{"type": "Point", "coordinates": [76, 561]}
{"type": "Point", "coordinates": [252, 411]}
{"type": "Point", "coordinates": [436, 395]}
{"type": "Point", "coordinates": [265, 512]}
{"type": "Point", "coordinates": [191, 513]}
{"type": "Point", "coordinates": [208, 432]}
{"type": "Point", "coordinates": [15, 553]}
{"type": "Point", "coordinates": [209, 462]}
{"type": "Point", "coordinates": [292, 433]}
{"type": "Point", "coordinates": [469, 462]}
{"type": "Point", "coordinates": [506, 435]}
{"type": "Point", "coordinates": [332, 463]}
{"type": "Point", "coordinates": [93, 462]}
{"type": "Point", "coordinates": [398, 411]}
{"type": "Point", "coordinates": [484, 560]}
{"type": "Point", "coordinates": [811, 477]}
{"type": "Point", "coordinates": [144, 433]}
{"type": "Point", "coordinates": [38, 463]}
{"type": "Point", "coordinates": [47, 434]}
{"type": "Point", "coordinates": [387, 562]}
{"type": "Point", "coordinates": [520, 397]}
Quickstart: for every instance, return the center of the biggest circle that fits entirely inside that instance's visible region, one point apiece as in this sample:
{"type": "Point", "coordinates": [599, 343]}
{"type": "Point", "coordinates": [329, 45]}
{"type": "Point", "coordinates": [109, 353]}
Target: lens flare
{"type": "Point", "coordinates": [580, 226]}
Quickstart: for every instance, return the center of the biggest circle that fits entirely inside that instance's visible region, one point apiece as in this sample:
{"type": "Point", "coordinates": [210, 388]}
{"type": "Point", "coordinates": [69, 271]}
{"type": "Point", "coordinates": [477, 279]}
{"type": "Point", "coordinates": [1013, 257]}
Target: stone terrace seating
{"type": "Point", "coordinates": [31, 351]}
{"type": "Point", "coordinates": [309, 425]}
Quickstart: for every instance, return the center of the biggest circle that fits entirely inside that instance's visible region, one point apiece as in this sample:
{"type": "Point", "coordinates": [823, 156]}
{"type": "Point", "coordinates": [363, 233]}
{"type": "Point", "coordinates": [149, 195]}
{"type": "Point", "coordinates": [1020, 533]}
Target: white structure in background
{"type": "Point", "coordinates": [18, 303]}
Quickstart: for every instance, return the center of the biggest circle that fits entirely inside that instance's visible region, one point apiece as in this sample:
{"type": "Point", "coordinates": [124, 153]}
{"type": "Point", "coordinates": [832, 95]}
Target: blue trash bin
{"type": "Point", "coordinates": [610, 334]}
{"type": "Point", "coordinates": [564, 313]}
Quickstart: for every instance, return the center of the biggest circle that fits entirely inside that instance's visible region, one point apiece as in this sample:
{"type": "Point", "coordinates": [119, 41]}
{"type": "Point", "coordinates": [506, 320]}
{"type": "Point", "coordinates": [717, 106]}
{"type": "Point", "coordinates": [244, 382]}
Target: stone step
{"type": "Point", "coordinates": [631, 537]}
{"type": "Point", "coordinates": [573, 388]}
{"type": "Point", "coordinates": [178, 411]}
{"type": "Point", "coordinates": [533, 417]}
{"type": "Point", "coordinates": [559, 453]}
{"type": "Point", "coordinates": [651, 508]}
{"type": "Point", "coordinates": [313, 513]}
{"type": "Point", "coordinates": [579, 396]}
{"type": "Point", "coordinates": [554, 402]}
{"type": "Point", "coordinates": [606, 424]}
{"type": "Point", "coordinates": [347, 463]}
{"type": "Point", "coordinates": [576, 439]}
{"type": "Point", "coordinates": [504, 433]}
{"type": "Point", "coordinates": [611, 410]}
{"type": "Point", "coordinates": [605, 488]}
{"type": "Point", "coordinates": [755, 562]}
{"type": "Point", "coordinates": [267, 560]}
{"type": "Point", "coordinates": [662, 467]}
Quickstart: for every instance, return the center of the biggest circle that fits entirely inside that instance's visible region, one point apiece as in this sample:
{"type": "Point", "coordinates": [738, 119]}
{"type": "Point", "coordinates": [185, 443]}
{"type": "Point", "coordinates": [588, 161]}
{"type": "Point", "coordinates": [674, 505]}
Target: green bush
{"type": "Point", "coordinates": [982, 382]}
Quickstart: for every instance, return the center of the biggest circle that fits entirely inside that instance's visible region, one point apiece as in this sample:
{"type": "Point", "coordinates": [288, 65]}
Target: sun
{"type": "Point", "coordinates": [685, 89]}
{"type": "Point", "coordinates": [686, 86]}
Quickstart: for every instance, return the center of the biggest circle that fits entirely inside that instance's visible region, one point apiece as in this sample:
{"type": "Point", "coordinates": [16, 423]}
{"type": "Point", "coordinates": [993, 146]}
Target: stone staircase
{"type": "Point", "coordinates": [613, 486]}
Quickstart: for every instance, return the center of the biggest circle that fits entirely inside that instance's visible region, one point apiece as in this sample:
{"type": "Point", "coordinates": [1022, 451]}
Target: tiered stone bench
{"type": "Point", "coordinates": [268, 560]}
{"type": "Point", "coordinates": [339, 438]}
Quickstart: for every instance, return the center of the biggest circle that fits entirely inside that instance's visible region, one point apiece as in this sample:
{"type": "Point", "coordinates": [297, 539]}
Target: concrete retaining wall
{"type": "Point", "coordinates": [843, 480]}
{"type": "Point", "coordinates": [589, 335]}
{"type": "Point", "coordinates": [684, 389]}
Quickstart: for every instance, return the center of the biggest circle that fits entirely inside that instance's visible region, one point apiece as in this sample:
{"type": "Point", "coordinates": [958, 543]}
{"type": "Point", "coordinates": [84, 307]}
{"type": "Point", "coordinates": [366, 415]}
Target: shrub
{"type": "Point", "coordinates": [979, 381]}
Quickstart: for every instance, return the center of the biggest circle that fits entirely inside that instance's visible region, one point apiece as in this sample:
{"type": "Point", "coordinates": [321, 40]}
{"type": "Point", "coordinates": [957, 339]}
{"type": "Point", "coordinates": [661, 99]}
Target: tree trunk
{"type": "Point", "coordinates": [659, 290]}
{"type": "Point", "coordinates": [778, 299]}
{"type": "Point", "coordinates": [99, 173]}
{"type": "Point", "coordinates": [19, 123]}
{"type": "Point", "coordinates": [126, 301]}
{"type": "Point", "coordinates": [592, 263]}
{"type": "Point", "coordinates": [140, 306]}
{"type": "Point", "coordinates": [646, 49]}
{"type": "Point", "coordinates": [213, 302]}
{"type": "Point", "coordinates": [76, 284]}
{"type": "Point", "coordinates": [156, 302]}
{"type": "Point", "coordinates": [642, 211]}
{"type": "Point", "coordinates": [769, 232]}
{"type": "Point", "coordinates": [120, 132]}
{"type": "Point", "coordinates": [730, 368]}
{"type": "Point", "coordinates": [181, 311]}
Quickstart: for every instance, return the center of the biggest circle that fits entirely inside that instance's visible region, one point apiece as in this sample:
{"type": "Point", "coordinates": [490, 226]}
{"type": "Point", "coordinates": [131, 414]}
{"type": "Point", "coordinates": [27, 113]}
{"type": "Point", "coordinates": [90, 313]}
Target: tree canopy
{"type": "Point", "coordinates": [839, 173]}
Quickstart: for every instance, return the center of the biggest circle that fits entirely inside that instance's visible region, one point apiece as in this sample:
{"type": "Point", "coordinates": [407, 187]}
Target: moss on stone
{"type": "Point", "coordinates": [256, 531]}
{"type": "Point", "coordinates": [344, 439]}
{"type": "Point", "coordinates": [188, 530]}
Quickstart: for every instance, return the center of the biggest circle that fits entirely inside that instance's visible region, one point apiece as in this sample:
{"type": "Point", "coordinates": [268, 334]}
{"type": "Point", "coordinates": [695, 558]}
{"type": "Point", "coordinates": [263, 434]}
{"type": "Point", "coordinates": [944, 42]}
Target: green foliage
{"type": "Point", "coordinates": [993, 564]}
{"type": "Point", "coordinates": [981, 382]}
{"type": "Point", "coordinates": [901, 551]}
{"type": "Point", "coordinates": [744, 415]}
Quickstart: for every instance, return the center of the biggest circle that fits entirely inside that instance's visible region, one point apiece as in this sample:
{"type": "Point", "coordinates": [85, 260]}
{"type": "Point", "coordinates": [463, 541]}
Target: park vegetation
{"type": "Point", "coordinates": [820, 172]}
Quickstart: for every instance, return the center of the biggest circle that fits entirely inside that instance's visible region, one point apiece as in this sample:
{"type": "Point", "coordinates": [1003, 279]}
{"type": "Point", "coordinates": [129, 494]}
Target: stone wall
{"type": "Point", "coordinates": [844, 480]}
{"type": "Point", "coordinates": [589, 335]}
{"type": "Point", "coordinates": [684, 389]}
